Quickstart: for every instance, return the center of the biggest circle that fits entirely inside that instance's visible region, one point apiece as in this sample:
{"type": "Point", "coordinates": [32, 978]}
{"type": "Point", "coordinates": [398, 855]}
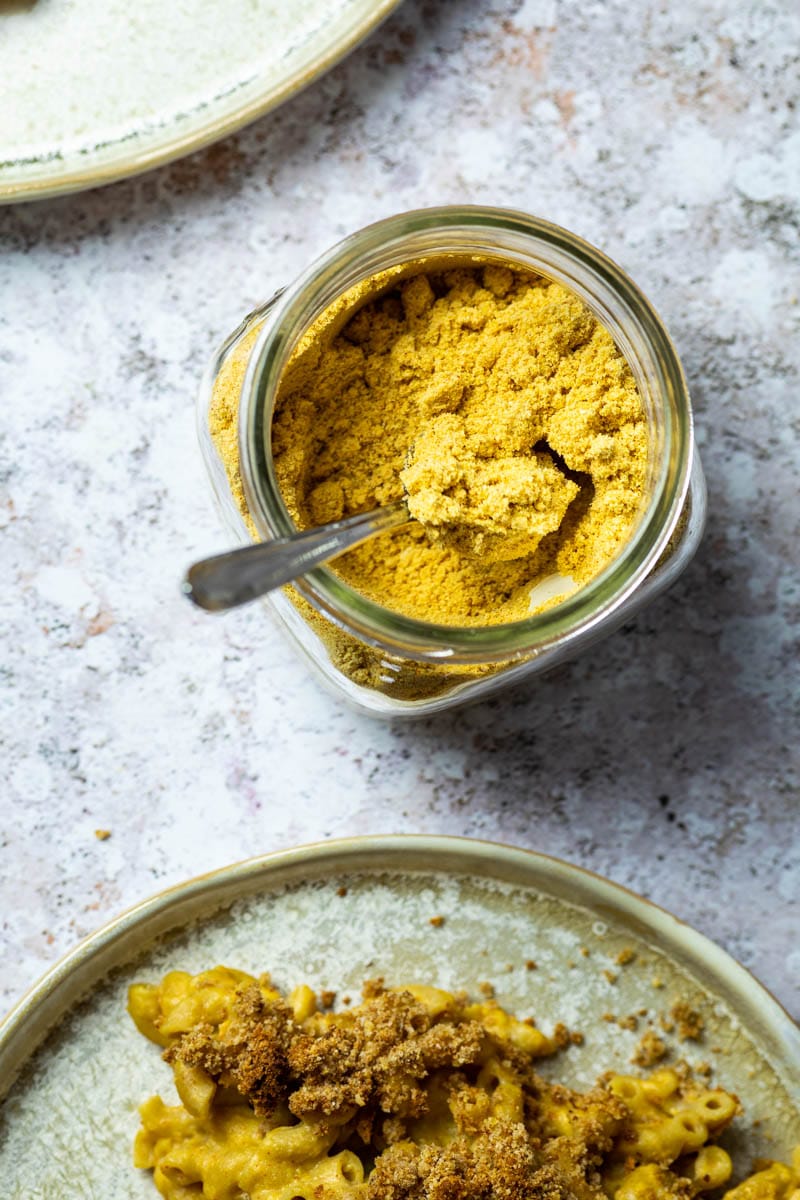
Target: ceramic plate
{"type": "Point", "coordinates": [337, 913]}
{"type": "Point", "coordinates": [91, 90]}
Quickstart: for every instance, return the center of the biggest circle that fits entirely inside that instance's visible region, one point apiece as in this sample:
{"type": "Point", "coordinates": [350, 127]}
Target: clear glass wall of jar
{"type": "Point", "coordinates": [379, 660]}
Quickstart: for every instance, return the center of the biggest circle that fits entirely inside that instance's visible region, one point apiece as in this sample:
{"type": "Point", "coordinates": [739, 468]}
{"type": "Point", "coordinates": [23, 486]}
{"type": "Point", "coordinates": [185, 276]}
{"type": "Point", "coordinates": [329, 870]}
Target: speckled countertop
{"type": "Point", "coordinates": [667, 757]}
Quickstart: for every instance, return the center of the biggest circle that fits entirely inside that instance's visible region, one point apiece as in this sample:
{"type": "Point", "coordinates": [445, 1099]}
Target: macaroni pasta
{"type": "Point", "coordinates": [415, 1094]}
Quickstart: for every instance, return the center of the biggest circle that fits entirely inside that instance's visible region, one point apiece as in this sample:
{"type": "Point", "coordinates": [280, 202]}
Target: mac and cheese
{"type": "Point", "coordinates": [415, 1094]}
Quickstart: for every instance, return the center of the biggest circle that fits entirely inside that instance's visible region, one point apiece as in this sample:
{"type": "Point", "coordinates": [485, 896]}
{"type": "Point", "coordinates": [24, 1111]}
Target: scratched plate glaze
{"type": "Point", "coordinates": [92, 90]}
{"type": "Point", "coordinates": [334, 914]}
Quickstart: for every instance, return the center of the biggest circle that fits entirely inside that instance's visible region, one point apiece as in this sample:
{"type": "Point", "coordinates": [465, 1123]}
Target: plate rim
{"type": "Point", "coordinates": [26, 1025]}
{"type": "Point", "coordinates": [42, 186]}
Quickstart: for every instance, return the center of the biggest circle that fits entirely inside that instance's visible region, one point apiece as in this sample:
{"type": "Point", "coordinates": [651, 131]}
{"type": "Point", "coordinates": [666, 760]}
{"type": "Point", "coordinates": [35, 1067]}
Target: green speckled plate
{"type": "Point", "coordinates": [68, 1121]}
{"type": "Point", "coordinates": [92, 90]}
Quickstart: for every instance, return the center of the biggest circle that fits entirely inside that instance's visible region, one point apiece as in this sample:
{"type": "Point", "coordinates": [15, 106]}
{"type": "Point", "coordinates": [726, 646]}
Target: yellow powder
{"type": "Point", "coordinates": [506, 411]}
{"type": "Point", "coordinates": [504, 408]}
{"type": "Point", "coordinates": [497, 508]}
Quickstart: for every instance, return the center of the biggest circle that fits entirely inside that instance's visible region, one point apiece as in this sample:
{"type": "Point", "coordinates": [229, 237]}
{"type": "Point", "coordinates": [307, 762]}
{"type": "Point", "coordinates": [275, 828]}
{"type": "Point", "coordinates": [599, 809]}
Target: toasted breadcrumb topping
{"type": "Point", "coordinates": [254, 1058]}
{"type": "Point", "coordinates": [650, 1050]}
{"type": "Point", "coordinates": [378, 1060]}
{"type": "Point", "coordinates": [688, 1021]}
{"type": "Point", "coordinates": [499, 1163]}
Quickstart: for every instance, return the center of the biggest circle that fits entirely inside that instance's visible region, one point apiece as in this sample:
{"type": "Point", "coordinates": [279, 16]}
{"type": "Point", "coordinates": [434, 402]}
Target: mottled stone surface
{"type": "Point", "coordinates": [667, 757]}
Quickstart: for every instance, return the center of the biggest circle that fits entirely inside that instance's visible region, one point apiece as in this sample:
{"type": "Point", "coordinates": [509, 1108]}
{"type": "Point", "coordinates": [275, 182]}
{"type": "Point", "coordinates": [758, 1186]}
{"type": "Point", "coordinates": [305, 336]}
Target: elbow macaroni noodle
{"type": "Point", "coordinates": [632, 1138]}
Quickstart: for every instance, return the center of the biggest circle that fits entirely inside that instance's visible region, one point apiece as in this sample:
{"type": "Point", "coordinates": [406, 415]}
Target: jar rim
{"type": "Point", "coordinates": [568, 259]}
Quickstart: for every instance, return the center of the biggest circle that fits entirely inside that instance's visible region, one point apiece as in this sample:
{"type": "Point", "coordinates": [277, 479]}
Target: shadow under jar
{"type": "Point", "coordinates": [380, 660]}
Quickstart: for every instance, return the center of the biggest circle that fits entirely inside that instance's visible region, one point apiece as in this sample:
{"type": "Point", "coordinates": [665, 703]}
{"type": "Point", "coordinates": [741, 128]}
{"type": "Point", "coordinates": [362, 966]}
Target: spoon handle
{"type": "Point", "coordinates": [241, 575]}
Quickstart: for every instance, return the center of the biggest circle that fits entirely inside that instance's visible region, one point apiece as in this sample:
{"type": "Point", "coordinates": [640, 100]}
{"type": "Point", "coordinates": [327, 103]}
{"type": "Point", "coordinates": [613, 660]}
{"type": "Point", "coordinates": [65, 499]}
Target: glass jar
{"type": "Point", "coordinates": [381, 661]}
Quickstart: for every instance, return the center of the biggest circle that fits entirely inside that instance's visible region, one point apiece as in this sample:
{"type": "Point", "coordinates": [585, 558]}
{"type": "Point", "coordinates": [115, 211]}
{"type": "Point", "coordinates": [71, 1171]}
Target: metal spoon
{"type": "Point", "coordinates": [242, 575]}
